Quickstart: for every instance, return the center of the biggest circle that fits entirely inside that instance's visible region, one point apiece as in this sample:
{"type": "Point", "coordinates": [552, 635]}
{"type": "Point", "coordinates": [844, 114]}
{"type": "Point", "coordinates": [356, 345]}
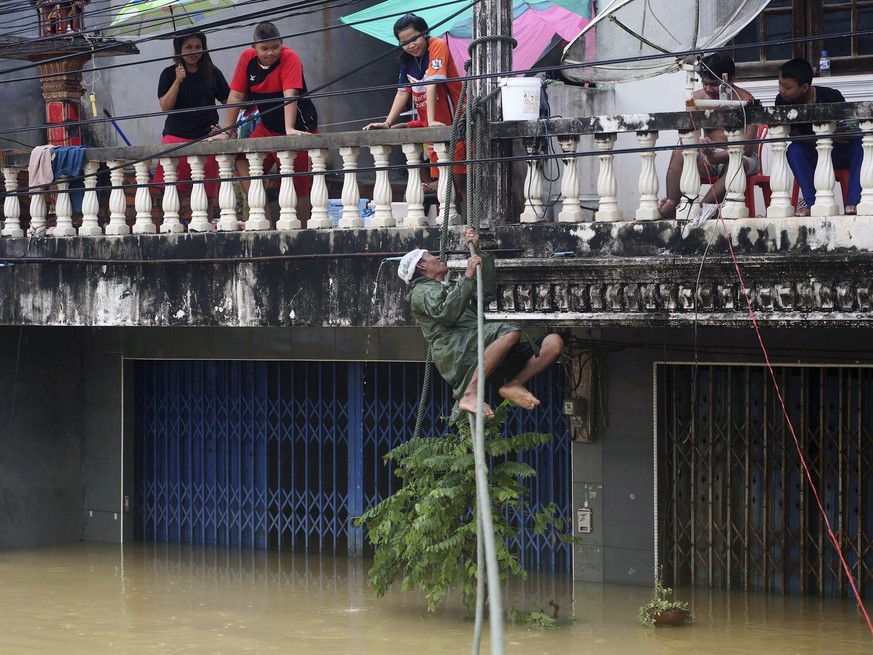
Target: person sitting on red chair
{"type": "Point", "coordinates": [795, 88]}
{"type": "Point", "coordinates": [711, 160]}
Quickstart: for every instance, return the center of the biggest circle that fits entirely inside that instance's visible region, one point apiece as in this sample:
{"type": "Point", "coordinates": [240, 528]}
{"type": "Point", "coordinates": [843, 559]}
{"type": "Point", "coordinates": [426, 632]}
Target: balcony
{"type": "Point", "coordinates": [619, 266]}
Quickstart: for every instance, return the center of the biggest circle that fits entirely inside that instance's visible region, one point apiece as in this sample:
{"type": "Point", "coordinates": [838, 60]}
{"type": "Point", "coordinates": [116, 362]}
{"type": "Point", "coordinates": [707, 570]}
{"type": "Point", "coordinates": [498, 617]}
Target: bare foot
{"type": "Point", "coordinates": [851, 210]}
{"type": "Point", "coordinates": [468, 404]}
{"type": "Point", "coordinates": [519, 395]}
{"type": "Point", "coordinates": [667, 208]}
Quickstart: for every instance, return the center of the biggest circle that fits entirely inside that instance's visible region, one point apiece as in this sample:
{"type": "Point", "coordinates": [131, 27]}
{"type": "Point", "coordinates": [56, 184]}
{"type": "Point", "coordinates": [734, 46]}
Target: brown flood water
{"type": "Point", "coordinates": [89, 598]}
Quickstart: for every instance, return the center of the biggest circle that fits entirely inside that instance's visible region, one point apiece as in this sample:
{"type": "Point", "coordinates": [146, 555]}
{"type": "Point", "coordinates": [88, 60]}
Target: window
{"type": "Point", "coordinates": [786, 19]}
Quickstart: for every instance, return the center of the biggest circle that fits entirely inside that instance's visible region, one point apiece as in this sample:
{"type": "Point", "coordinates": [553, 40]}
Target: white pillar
{"type": "Point", "coordinates": [90, 203]}
{"type": "Point", "coordinates": [689, 180]}
{"type": "Point", "coordinates": [287, 193]}
{"type": "Point", "coordinates": [228, 221]}
{"type": "Point", "coordinates": [865, 207]}
{"type": "Point", "coordinates": [143, 201]}
{"type": "Point", "coordinates": [734, 205]}
{"type": "Point", "coordinates": [571, 208]}
{"type": "Point", "coordinates": [12, 206]}
{"type": "Point", "coordinates": [382, 189]}
{"type": "Point", "coordinates": [257, 197]}
{"type": "Point", "coordinates": [63, 211]}
{"type": "Point", "coordinates": [534, 211]}
{"type": "Point", "coordinates": [447, 203]}
{"type": "Point", "coordinates": [780, 176]}
{"type": "Point", "coordinates": [825, 203]}
{"type": "Point", "coordinates": [37, 214]}
{"type": "Point", "coordinates": [607, 187]}
{"type": "Point", "coordinates": [117, 201]}
{"type": "Point", "coordinates": [351, 195]}
{"type": "Point", "coordinates": [648, 209]}
{"type": "Point", "coordinates": [318, 194]}
{"type": "Point", "coordinates": [170, 204]}
{"type": "Point", "coordinates": [201, 221]}
{"type": "Point", "coordinates": [414, 192]}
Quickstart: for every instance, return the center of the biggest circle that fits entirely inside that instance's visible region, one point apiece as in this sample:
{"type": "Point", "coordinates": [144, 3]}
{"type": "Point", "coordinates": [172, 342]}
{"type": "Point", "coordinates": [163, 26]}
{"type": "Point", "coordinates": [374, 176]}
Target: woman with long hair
{"type": "Point", "coordinates": [191, 82]}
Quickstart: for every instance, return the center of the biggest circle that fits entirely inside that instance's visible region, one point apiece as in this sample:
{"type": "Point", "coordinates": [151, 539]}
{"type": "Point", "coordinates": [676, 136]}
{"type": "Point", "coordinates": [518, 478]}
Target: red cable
{"type": "Point", "coordinates": [831, 534]}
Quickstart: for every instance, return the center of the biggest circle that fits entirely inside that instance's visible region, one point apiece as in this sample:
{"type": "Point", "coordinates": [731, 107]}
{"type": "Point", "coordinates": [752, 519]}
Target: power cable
{"type": "Point", "coordinates": [302, 7]}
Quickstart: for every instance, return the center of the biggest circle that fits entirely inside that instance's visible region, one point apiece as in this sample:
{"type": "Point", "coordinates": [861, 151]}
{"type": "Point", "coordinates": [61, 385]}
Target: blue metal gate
{"type": "Point", "coordinates": [284, 455]}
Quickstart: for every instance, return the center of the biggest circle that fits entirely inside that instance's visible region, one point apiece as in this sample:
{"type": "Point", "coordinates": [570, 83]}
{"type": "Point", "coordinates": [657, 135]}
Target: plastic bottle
{"type": "Point", "coordinates": [824, 65]}
{"type": "Point", "coordinates": [725, 92]}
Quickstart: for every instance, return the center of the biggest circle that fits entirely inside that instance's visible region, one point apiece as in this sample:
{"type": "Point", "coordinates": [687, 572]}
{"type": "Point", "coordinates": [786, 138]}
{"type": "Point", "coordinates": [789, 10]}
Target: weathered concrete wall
{"type": "Point", "coordinates": [623, 274]}
{"type": "Point", "coordinates": [23, 105]}
{"type": "Point", "coordinates": [42, 420]}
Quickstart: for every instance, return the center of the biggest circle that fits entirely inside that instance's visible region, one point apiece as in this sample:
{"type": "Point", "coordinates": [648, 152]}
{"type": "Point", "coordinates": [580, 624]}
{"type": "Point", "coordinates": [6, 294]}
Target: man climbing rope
{"type": "Point", "coordinates": [446, 313]}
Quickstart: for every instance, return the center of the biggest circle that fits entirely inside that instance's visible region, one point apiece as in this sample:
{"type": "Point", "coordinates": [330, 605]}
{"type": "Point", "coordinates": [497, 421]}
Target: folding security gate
{"type": "Point", "coordinates": [284, 455]}
{"type": "Point", "coordinates": [736, 509]}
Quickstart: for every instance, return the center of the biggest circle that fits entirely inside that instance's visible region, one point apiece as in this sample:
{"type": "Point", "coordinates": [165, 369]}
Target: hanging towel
{"type": "Point", "coordinates": [40, 167]}
{"type": "Point", "coordinates": [67, 161]}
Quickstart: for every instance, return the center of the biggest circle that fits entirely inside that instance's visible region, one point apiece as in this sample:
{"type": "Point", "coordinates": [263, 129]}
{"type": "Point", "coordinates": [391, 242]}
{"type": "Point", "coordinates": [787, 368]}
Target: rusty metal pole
{"type": "Point", "coordinates": [494, 17]}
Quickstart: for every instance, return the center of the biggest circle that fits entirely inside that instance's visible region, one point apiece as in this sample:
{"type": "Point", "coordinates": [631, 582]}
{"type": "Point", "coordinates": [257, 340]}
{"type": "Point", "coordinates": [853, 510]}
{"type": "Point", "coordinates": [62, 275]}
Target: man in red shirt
{"type": "Point", "coordinates": [425, 65]}
{"type": "Point", "coordinates": [267, 74]}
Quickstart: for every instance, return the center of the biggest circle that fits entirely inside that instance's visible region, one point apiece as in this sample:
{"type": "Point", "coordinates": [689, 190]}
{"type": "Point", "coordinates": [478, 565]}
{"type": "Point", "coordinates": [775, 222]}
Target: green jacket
{"type": "Point", "coordinates": [447, 316]}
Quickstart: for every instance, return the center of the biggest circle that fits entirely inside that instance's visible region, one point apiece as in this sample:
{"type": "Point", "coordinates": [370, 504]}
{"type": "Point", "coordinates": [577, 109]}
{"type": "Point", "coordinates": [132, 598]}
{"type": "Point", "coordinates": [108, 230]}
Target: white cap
{"type": "Point", "coordinates": [406, 268]}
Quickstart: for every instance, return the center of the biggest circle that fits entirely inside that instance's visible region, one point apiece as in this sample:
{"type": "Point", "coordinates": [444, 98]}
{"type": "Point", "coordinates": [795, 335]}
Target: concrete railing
{"type": "Point", "coordinates": [116, 218]}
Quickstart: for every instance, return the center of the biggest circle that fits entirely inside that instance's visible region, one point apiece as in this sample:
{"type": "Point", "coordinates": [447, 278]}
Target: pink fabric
{"type": "Point", "coordinates": [534, 31]}
{"type": "Point", "coordinates": [40, 166]}
{"type": "Point", "coordinates": [183, 170]}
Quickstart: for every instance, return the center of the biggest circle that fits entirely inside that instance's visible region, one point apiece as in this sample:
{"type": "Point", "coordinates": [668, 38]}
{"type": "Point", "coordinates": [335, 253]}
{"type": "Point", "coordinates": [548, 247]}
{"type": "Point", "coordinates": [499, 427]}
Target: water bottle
{"type": "Point", "coordinates": [725, 92]}
{"type": "Point", "coordinates": [824, 65]}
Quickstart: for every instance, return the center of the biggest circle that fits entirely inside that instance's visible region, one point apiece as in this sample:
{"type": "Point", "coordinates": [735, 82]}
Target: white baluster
{"type": "Point", "coordinates": [571, 208]}
{"type": "Point", "coordinates": [414, 191]}
{"type": "Point", "coordinates": [228, 221]}
{"type": "Point", "coordinates": [318, 193]}
{"type": "Point", "coordinates": [734, 204]}
{"type": "Point", "coordinates": [170, 204]}
{"type": "Point", "coordinates": [689, 180]}
{"type": "Point", "coordinates": [37, 215]}
{"type": "Point", "coordinates": [351, 196]}
{"type": "Point", "coordinates": [11, 205]}
{"type": "Point", "coordinates": [63, 211]}
{"type": "Point", "coordinates": [607, 187]}
{"type": "Point", "coordinates": [287, 193]}
{"type": "Point", "coordinates": [117, 201]}
{"type": "Point", "coordinates": [201, 221]}
{"type": "Point", "coordinates": [90, 203]}
{"type": "Point", "coordinates": [443, 156]}
{"type": "Point", "coordinates": [825, 203]}
{"type": "Point", "coordinates": [780, 177]}
{"type": "Point", "coordinates": [865, 207]}
{"type": "Point", "coordinates": [257, 197]}
{"type": "Point", "coordinates": [382, 189]}
{"type": "Point", "coordinates": [533, 212]}
{"type": "Point", "coordinates": [648, 209]}
{"type": "Point", "coordinates": [143, 201]}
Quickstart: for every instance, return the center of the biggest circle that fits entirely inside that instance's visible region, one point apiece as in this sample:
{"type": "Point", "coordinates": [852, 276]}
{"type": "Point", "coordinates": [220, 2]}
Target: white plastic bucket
{"type": "Point", "coordinates": [520, 97]}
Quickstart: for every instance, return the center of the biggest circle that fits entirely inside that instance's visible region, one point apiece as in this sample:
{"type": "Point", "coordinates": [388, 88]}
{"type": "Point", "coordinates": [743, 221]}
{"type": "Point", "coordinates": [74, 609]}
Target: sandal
{"type": "Point", "coordinates": [802, 209]}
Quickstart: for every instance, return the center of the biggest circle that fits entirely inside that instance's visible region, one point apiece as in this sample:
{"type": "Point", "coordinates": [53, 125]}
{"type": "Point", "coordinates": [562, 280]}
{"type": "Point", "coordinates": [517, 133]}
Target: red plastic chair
{"type": "Point", "coordinates": [841, 175]}
{"type": "Point", "coordinates": [758, 179]}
